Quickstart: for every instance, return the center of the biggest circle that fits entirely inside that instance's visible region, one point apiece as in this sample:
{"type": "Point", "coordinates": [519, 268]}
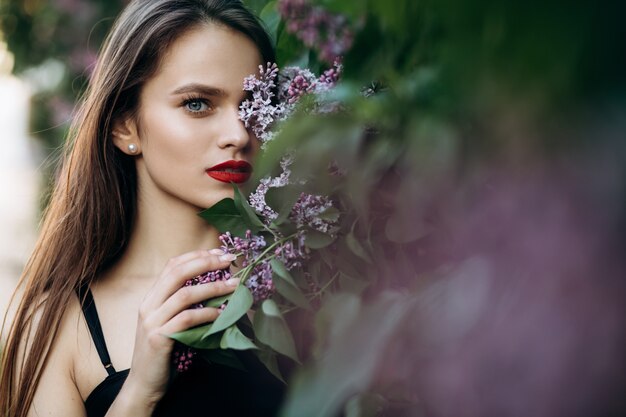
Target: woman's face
{"type": "Point", "coordinates": [189, 118]}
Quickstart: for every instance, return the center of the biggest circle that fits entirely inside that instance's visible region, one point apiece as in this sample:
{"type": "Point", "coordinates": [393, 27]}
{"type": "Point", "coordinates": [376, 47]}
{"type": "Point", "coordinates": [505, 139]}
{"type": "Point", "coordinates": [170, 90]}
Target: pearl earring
{"type": "Point", "coordinates": [132, 148]}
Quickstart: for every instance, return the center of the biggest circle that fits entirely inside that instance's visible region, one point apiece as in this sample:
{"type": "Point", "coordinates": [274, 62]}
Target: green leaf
{"type": "Point", "coordinates": [234, 339]}
{"type": "Point", "coordinates": [210, 342]}
{"type": "Point", "coordinates": [268, 358]}
{"type": "Point", "coordinates": [357, 248]}
{"type": "Point", "coordinates": [317, 240]}
{"type": "Point", "coordinates": [256, 6]}
{"type": "Point", "coordinates": [290, 51]}
{"type": "Point", "coordinates": [225, 217]}
{"type": "Point", "coordinates": [299, 279]}
{"type": "Point", "coordinates": [355, 349]}
{"type": "Point", "coordinates": [351, 8]}
{"type": "Point", "coordinates": [217, 301]}
{"type": "Point", "coordinates": [247, 212]}
{"type": "Point", "coordinates": [279, 268]}
{"type": "Point", "coordinates": [192, 337]}
{"type": "Point", "coordinates": [291, 293]}
{"type": "Point", "coordinates": [223, 357]}
{"type": "Point", "coordinates": [327, 256]}
{"type": "Point", "coordinates": [330, 214]}
{"type": "Point", "coordinates": [238, 304]}
{"type": "Point", "coordinates": [334, 317]}
{"type": "Point", "coordinates": [271, 329]}
{"type": "Point", "coordinates": [270, 17]}
{"type": "Point", "coordinates": [288, 197]}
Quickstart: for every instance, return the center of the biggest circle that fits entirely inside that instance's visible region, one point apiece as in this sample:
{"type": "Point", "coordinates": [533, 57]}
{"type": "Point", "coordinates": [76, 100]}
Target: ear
{"type": "Point", "coordinates": [125, 136]}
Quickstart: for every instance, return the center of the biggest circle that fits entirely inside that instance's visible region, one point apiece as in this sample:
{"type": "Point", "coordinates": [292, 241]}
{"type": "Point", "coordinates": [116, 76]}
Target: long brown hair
{"type": "Point", "coordinates": [88, 222]}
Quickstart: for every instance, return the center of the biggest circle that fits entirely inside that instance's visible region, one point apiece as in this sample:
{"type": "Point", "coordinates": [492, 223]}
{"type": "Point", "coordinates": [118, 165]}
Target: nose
{"type": "Point", "coordinates": [233, 132]}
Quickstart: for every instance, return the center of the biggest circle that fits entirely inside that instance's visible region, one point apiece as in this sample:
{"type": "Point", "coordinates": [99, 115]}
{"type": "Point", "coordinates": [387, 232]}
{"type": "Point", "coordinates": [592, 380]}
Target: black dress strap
{"type": "Point", "coordinates": [93, 323]}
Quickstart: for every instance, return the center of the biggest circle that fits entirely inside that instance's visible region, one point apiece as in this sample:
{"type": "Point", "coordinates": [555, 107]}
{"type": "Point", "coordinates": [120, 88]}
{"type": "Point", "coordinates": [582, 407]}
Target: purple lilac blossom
{"type": "Point", "coordinates": [249, 247]}
{"type": "Point", "coordinates": [183, 355]}
{"type": "Point", "coordinates": [260, 282]}
{"type": "Point", "coordinates": [275, 94]}
{"type": "Point", "coordinates": [262, 111]}
{"type": "Point", "coordinates": [327, 33]}
{"type": "Point", "coordinates": [294, 82]}
{"type": "Point", "coordinates": [292, 252]}
{"type": "Point", "coordinates": [330, 77]}
{"type": "Point", "coordinates": [307, 211]}
{"type": "Point", "coordinates": [257, 198]}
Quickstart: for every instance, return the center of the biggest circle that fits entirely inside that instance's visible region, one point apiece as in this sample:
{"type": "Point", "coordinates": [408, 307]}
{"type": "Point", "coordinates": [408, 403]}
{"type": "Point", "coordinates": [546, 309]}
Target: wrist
{"type": "Point", "coordinates": [133, 400]}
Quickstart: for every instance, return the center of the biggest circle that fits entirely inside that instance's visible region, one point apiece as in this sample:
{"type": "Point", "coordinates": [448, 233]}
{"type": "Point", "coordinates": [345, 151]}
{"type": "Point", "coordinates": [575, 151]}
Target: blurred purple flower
{"type": "Point", "coordinates": [533, 309]}
{"type": "Point", "coordinates": [296, 82]}
{"type": "Point", "coordinates": [329, 34]}
{"type": "Point", "coordinates": [82, 61]}
{"type": "Point", "coordinates": [61, 110]}
{"type": "Point", "coordinates": [80, 10]}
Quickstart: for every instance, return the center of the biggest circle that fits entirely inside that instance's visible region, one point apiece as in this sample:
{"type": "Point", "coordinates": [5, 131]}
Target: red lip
{"type": "Point", "coordinates": [231, 171]}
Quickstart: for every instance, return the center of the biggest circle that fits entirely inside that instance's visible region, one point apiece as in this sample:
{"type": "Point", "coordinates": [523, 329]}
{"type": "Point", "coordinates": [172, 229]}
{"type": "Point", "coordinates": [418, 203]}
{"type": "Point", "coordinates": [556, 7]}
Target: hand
{"type": "Point", "coordinates": [166, 310]}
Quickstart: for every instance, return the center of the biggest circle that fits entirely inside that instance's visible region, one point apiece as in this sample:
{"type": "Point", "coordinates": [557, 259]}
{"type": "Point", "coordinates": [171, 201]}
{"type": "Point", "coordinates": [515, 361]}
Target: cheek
{"type": "Point", "coordinates": [167, 132]}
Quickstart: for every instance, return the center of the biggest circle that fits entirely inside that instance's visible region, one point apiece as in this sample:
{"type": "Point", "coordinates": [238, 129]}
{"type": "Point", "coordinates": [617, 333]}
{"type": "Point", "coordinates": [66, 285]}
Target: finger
{"type": "Point", "coordinates": [178, 260]}
{"type": "Point", "coordinates": [179, 274]}
{"type": "Point", "coordinates": [188, 256]}
{"type": "Point", "coordinates": [190, 318]}
{"type": "Point", "coordinates": [188, 296]}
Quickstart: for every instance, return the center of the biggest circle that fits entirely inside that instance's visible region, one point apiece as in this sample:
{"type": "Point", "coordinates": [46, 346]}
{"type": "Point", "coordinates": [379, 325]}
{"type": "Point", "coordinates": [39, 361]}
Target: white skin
{"type": "Point", "coordinates": [140, 299]}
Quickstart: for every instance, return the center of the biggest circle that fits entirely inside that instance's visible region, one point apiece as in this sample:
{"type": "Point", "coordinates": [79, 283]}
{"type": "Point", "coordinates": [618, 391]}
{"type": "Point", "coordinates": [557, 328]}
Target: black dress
{"type": "Point", "coordinates": [203, 390]}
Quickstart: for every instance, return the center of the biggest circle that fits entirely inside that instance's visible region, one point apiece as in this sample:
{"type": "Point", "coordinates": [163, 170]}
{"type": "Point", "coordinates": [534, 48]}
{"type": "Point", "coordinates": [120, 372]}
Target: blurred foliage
{"type": "Point", "coordinates": [463, 125]}
{"type": "Point", "coordinates": [55, 44]}
{"type": "Point", "coordinates": [464, 101]}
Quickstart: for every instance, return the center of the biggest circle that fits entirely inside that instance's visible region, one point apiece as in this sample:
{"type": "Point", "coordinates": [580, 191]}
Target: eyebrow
{"type": "Point", "coordinates": [199, 88]}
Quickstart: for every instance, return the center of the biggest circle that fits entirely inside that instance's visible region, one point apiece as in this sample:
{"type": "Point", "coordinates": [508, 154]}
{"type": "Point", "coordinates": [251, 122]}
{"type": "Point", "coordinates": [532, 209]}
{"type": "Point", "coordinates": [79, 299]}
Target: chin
{"type": "Point", "coordinates": [218, 196]}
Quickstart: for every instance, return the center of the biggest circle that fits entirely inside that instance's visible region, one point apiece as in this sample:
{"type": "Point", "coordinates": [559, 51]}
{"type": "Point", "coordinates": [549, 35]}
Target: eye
{"type": "Point", "coordinates": [197, 105]}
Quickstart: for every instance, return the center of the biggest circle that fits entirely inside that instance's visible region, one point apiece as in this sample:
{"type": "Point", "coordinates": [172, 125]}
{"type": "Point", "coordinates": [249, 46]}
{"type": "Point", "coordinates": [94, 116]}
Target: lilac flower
{"type": "Point", "coordinates": [294, 83]}
{"type": "Point", "coordinates": [257, 198]}
{"type": "Point", "coordinates": [262, 111]}
{"type": "Point", "coordinates": [249, 247]}
{"type": "Point", "coordinates": [183, 355]}
{"type": "Point", "coordinates": [329, 34]}
{"type": "Point", "coordinates": [307, 211]}
{"type": "Point", "coordinates": [275, 94]}
{"type": "Point", "coordinates": [292, 252]}
{"type": "Point", "coordinates": [330, 77]}
{"type": "Point", "coordinates": [260, 282]}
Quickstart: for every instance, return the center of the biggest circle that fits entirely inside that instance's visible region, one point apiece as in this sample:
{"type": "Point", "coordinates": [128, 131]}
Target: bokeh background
{"type": "Point", "coordinates": [490, 151]}
{"type": "Point", "coordinates": [47, 50]}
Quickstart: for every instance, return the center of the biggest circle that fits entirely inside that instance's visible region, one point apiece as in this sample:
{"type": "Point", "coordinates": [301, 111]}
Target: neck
{"type": "Point", "coordinates": [161, 232]}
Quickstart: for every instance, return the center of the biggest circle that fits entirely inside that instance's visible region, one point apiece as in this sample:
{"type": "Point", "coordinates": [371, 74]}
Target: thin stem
{"type": "Point", "coordinates": [243, 272]}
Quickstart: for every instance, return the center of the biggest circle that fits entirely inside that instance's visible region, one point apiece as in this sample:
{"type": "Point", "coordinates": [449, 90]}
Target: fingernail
{"type": "Point", "coordinates": [216, 251]}
{"type": "Point", "coordinates": [227, 257]}
{"type": "Point", "coordinates": [232, 282]}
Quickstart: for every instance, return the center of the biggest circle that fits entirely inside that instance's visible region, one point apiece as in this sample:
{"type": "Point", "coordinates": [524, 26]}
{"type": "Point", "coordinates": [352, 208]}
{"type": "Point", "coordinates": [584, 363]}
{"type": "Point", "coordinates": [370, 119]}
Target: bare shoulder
{"type": "Point", "coordinates": [56, 393]}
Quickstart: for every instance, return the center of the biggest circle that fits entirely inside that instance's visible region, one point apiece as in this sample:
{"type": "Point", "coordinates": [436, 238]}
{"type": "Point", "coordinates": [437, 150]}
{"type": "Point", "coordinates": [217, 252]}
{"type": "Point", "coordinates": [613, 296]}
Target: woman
{"type": "Point", "coordinates": [147, 152]}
